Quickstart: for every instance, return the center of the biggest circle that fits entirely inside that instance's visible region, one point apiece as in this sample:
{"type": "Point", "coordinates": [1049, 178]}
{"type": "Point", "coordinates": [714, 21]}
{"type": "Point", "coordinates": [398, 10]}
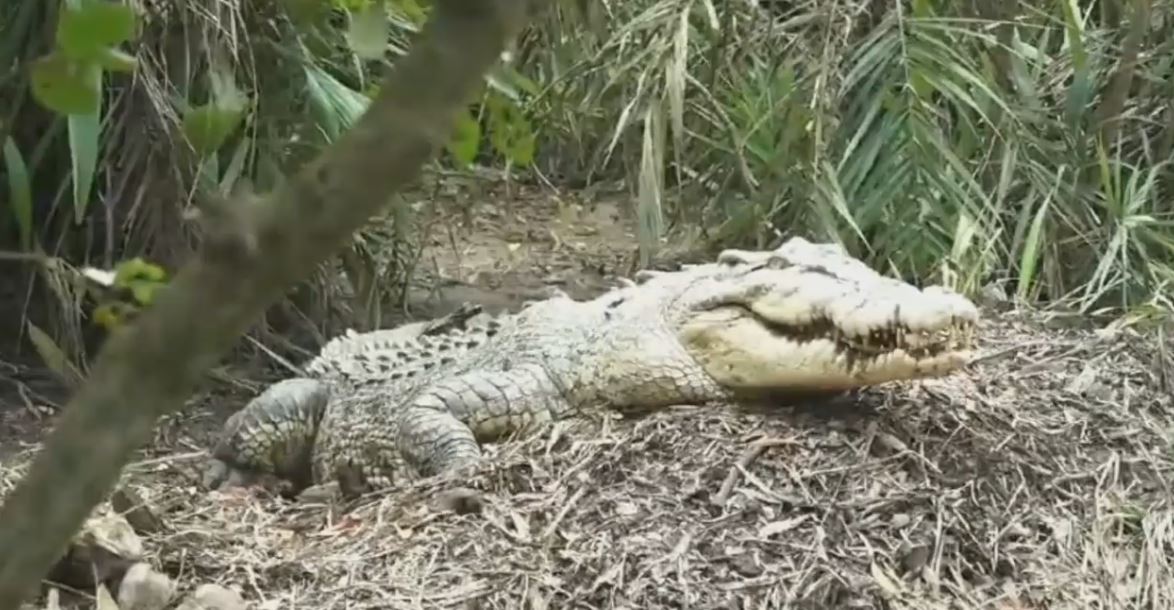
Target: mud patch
{"type": "Point", "coordinates": [509, 243]}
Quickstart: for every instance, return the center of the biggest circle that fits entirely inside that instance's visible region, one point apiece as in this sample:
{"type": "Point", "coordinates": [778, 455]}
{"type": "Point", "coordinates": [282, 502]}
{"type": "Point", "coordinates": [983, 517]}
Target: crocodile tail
{"type": "Point", "coordinates": [273, 434]}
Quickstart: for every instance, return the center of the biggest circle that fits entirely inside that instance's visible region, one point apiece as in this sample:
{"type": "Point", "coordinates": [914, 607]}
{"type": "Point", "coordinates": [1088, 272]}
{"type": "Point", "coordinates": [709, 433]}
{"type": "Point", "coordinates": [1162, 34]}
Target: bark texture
{"type": "Point", "coordinates": [254, 252]}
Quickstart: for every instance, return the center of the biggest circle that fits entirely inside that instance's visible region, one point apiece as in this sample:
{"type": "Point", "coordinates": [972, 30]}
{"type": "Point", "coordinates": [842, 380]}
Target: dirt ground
{"type": "Point", "coordinates": [1038, 478]}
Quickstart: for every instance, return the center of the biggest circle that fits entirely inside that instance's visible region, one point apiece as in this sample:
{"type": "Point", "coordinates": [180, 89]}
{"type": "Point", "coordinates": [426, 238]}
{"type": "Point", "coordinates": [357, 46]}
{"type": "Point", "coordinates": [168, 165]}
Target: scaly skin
{"type": "Point", "coordinates": [419, 401]}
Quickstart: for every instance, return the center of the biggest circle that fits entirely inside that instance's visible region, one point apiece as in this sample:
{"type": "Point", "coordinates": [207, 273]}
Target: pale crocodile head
{"type": "Point", "coordinates": [809, 317]}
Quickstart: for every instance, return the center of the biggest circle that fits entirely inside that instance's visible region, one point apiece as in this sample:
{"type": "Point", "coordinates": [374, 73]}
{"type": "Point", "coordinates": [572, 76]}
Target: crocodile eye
{"type": "Point", "coordinates": [643, 276]}
{"type": "Point", "coordinates": [733, 258]}
{"type": "Point", "coordinates": [779, 261]}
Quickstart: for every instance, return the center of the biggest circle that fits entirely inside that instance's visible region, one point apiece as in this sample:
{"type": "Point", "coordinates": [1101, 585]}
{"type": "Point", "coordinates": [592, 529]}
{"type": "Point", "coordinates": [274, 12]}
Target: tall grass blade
{"type": "Point", "coordinates": [20, 192]}
{"type": "Point", "coordinates": [84, 133]}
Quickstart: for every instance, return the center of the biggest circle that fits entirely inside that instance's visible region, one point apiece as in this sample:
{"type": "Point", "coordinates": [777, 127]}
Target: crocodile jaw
{"type": "Point", "coordinates": [809, 317]}
{"type": "Point", "coordinates": [744, 353]}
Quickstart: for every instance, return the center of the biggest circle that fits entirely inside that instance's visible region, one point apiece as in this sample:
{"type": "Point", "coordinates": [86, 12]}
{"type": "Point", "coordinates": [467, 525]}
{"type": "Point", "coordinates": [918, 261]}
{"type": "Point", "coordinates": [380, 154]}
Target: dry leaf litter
{"type": "Point", "coordinates": [1038, 479]}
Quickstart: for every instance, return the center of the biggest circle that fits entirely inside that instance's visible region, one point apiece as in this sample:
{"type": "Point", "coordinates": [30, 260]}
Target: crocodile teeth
{"type": "Point", "coordinates": [892, 339]}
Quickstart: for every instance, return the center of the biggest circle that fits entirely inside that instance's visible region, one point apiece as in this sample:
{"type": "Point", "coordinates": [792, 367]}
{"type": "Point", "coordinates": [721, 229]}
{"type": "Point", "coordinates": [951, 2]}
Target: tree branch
{"type": "Point", "coordinates": [255, 251]}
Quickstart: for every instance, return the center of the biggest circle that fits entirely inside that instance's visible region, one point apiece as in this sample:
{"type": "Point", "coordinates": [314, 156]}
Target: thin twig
{"type": "Point", "coordinates": [752, 453]}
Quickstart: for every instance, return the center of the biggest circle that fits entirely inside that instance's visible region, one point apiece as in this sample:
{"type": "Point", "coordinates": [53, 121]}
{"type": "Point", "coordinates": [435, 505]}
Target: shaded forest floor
{"type": "Point", "coordinates": [1040, 478]}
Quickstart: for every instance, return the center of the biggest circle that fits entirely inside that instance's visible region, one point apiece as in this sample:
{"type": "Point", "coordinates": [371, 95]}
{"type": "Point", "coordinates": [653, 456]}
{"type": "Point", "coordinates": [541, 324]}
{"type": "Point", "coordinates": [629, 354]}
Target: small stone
{"type": "Point", "coordinates": [746, 565]}
{"type": "Point", "coordinates": [993, 295]}
{"type": "Point", "coordinates": [102, 550]}
{"type": "Point", "coordinates": [142, 588]}
{"type": "Point", "coordinates": [900, 520]}
{"type": "Point", "coordinates": [915, 557]}
{"type": "Point", "coordinates": [112, 532]}
{"type": "Point", "coordinates": [626, 509]}
{"type": "Point", "coordinates": [213, 597]}
{"type": "Point", "coordinates": [131, 505]}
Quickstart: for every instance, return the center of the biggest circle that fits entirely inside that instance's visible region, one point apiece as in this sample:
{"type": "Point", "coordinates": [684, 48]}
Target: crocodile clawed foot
{"type": "Point", "coordinates": [221, 476]}
{"type": "Point", "coordinates": [459, 500]}
{"type": "Point", "coordinates": [324, 493]}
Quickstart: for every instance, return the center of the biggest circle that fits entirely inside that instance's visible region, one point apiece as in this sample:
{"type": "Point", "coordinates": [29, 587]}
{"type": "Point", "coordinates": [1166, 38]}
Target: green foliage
{"type": "Point", "coordinates": [20, 195]}
{"type": "Point", "coordinates": [133, 287]}
{"type": "Point", "coordinates": [954, 142]}
{"type": "Point", "coordinates": [509, 130]}
{"type": "Point", "coordinates": [466, 139]}
{"type": "Point", "coordinates": [368, 32]}
{"type": "Point", "coordinates": [91, 30]}
{"type": "Point", "coordinates": [69, 79]}
{"type": "Point", "coordinates": [66, 85]}
{"type": "Point", "coordinates": [85, 129]}
{"type": "Point", "coordinates": [54, 357]}
{"type": "Point", "coordinates": [208, 126]}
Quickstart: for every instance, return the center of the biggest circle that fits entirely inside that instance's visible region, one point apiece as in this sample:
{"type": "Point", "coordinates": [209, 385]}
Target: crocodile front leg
{"type": "Point", "coordinates": [442, 427]}
{"type": "Point", "coordinates": [368, 441]}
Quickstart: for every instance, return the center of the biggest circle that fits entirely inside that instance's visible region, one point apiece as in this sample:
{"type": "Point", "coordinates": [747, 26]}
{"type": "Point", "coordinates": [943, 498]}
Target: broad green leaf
{"type": "Point", "coordinates": [208, 126]}
{"type": "Point", "coordinates": [1031, 249]}
{"type": "Point", "coordinates": [923, 9]}
{"type": "Point", "coordinates": [144, 291]}
{"type": "Point", "coordinates": [94, 25]}
{"type": "Point", "coordinates": [509, 131]}
{"type": "Point", "coordinates": [368, 32]}
{"type": "Point", "coordinates": [84, 133]}
{"type": "Point", "coordinates": [523, 147]}
{"type": "Point", "coordinates": [466, 139]}
{"type": "Point", "coordinates": [920, 84]}
{"type": "Point", "coordinates": [412, 10]}
{"type": "Point", "coordinates": [20, 191]}
{"type": "Point", "coordinates": [335, 105]}
{"type": "Point", "coordinates": [138, 269]}
{"type": "Point", "coordinates": [67, 86]}
{"type": "Point", "coordinates": [113, 314]}
{"type": "Point", "coordinates": [115, 61]}
{"type": "Point", "coordinates": [54, 357]}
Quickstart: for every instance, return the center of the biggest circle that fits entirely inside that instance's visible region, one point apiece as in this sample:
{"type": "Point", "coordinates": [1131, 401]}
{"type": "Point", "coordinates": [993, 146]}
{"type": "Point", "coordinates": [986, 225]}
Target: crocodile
{"type": "Point", "coordinates": [420, 400]}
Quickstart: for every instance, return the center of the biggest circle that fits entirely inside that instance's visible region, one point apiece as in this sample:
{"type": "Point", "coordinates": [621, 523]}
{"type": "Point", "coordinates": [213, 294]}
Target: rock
{"type": "Point", "coordinates": [101, 552]}
{"type": "Point", "coordinates": [130, 503]}
{"type": "Point", "coordinates": [145, 589]}
{"type": "Point", "coordinates": [213, 597]}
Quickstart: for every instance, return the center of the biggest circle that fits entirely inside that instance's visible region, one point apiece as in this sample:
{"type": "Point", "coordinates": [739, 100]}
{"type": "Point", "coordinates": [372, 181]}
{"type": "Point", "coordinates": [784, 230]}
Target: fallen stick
{"type": "Point", "coordinates": [752, 453]}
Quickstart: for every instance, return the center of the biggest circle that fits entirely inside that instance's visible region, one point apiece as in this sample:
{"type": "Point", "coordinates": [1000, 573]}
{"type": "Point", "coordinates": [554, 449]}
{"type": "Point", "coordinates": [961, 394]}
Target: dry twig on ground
{"type": "Point", "coordinates": [1039, 480]}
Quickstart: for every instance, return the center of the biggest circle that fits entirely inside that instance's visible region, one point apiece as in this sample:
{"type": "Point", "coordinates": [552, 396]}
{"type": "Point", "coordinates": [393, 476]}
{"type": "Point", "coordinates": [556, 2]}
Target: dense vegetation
{"type": "Point", "coordinates": [1020, 142]}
